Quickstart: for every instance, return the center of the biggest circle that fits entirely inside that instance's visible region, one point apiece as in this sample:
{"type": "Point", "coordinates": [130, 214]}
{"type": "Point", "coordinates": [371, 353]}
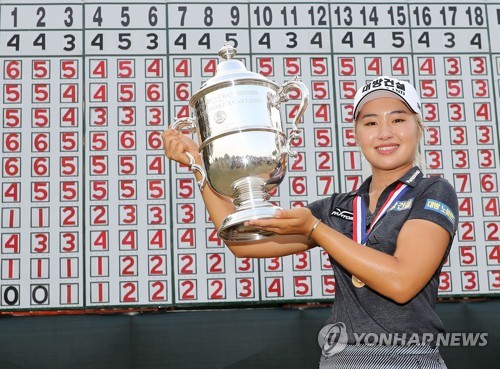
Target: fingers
{"type": "Point", "coordinates": [292, 221]}
{"type": "Point", "coordinates": [264, 223]}
{"type": "Point", "coordinates": [301, 213]}
{"type": "Point", "coordinates": [276, 225]}
{"type": "Point", "coordinates": [176, 144]}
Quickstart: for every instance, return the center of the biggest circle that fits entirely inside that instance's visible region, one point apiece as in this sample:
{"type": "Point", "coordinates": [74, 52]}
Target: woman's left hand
{"type": "Point", "coordinates": [298, 220]}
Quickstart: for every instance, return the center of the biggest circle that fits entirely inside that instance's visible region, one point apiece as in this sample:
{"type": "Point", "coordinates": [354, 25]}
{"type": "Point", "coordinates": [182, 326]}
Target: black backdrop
{"type": "Point", "coordinates": [273, 337]}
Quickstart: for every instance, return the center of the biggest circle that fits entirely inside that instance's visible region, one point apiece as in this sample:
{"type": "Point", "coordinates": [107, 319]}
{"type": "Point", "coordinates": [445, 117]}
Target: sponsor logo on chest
{"type": "Point", "coordinates": [342, 213]}
{"type": "Point", "coordinates": [401, 205]}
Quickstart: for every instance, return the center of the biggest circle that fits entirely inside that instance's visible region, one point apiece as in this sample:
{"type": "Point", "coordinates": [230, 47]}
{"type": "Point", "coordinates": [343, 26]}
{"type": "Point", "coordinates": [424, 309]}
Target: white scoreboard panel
{"type": "Point", "coordinates": [127, 177]}
{"type": "Point", "coordinates": [92, 215]}
{"type": "Point", "coordinates": [42, 129]}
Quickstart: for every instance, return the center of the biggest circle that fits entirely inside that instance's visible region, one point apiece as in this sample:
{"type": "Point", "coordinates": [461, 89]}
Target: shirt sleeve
{"type": "Point", "coordinates": [438, 203]}
{"type": "Point", "coordinates": [320, 208]}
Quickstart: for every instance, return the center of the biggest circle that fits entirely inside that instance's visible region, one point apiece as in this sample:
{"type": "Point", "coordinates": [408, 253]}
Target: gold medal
{"type": "Point", "coordinates": [358, 283]}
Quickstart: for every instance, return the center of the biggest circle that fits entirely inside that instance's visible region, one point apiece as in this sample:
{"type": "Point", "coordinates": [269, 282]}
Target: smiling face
{"type": "Point", "coordinates": [388, 134]}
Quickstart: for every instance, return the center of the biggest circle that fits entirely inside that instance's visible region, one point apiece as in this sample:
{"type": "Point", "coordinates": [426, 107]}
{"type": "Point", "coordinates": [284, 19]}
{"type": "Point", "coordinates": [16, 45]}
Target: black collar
{"type": "Point", "coordinates": [411, 178]}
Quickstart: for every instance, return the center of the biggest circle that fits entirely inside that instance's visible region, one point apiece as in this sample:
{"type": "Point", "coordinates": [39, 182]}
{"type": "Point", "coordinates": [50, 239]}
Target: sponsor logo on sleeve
{"type": "Point", "coordinates": [441, 208]}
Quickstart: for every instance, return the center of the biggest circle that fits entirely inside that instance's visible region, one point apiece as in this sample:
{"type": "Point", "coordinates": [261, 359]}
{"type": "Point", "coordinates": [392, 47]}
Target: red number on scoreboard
{"type": "Point", "coordinates": [291, 66]}
{"type": "Point", "coordinates": [445, 281]}
{"type": "Point", "coordinates": [328, 285]}
{"type": "Point", "coordinates": [69, 69]}
{"type": "Point", "coordinates": [157, 291]}
{"type": "Point", "coordinates": [245, 288]}
{"type": "Point", "coordinates": [265, 66]}
{"type": "Point", "coordinates": [156, 239]}
{"type": "Point", "coordinates": [13, 69]}
{"type": "Point", "coordinates": [346, 66]}
{"type": "Point", "coordinates": [319, 66]}
{"type": "Point", "coordinates": [187, 289]}
{"type": "Point", "coordinates": [216, 289]}
{"type": "Point", "coordinates": [274, 286]}
{"type": "Point", "coordinates": [182, 67]}
{"type": "Point", "coordinates": [41, 69]}
{"type": "Point", "coordinates": [126, 68]}
{"type": "Point", "coordinates": [302, 285]}
{"type": "Point", "coordinates": [12, 118]}
{"type": "Point", "coordinates": [154, 68]}
{"type": "Point", "coordinates": [98, 165]}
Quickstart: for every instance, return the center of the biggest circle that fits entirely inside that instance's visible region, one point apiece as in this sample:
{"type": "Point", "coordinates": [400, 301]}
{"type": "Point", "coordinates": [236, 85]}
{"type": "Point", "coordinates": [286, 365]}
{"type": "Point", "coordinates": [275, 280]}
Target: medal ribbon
{"type": "Point", "coordinates": [360, 234]}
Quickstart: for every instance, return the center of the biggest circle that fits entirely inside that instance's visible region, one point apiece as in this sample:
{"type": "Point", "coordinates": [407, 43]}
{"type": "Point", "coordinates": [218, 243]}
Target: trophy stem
{"type": "Point", "coordinates": [251, 201]}
{"type": "Point", "coordinates": [250, 192]}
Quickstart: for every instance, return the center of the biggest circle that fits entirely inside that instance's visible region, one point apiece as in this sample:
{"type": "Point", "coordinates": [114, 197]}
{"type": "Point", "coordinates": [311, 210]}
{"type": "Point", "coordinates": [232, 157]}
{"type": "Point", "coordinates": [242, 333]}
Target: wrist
{"type": "Point", "coordinates": [313, 228]}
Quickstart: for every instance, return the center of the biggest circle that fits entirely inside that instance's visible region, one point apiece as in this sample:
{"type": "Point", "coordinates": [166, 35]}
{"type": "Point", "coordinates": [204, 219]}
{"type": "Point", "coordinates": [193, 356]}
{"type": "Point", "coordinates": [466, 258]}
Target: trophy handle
{"type": "Point", "coordinates": [190, 125]}
{"type": "Point", "coordinates": [283, 96]}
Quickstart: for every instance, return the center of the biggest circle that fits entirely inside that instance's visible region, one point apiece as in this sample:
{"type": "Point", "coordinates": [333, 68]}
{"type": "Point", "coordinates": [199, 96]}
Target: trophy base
{"type": "Point", "coordinates": [234, 229]}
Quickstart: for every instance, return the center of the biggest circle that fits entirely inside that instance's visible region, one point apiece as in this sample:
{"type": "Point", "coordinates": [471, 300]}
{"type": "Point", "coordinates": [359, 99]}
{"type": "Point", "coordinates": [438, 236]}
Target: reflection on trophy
{"type": "Point", "coordinates": [242, 142]}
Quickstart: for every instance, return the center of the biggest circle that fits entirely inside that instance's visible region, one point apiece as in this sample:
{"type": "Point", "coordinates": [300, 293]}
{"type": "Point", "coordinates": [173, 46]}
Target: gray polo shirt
{"type": "Point", "coordinates": [363, 310]}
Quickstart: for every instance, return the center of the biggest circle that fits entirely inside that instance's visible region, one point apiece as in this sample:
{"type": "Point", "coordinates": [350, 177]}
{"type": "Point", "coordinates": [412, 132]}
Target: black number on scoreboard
{"type": "Point", "coordinates": [183, 10]}
{"type": "Point", "coordinates": [125, 16]}
{"type": "Point", "coordinates": [476, 41]}
{"type": "Point", "coordinates": [70, 41]}
{"type": "Point", "coordinates": [152, 16]}
{"type": "Point", "coordinates": [450, 40]}
{"type": "Point", "coordinates": [68, 22]}
{"type": "Point", "coordinates": [40, 41]}
{"type": "Point", "coordinates": [235, 15]}
{"type": "Point", "coordinates": [398, 16]}
{"type": "Point", "coordinates": [347, 39]}
{"type": "Point", "coordinates": [265, 40]}
{"type": "Point", "coordinates": [317, 39]}
{"type": "Point", "coordinates": [97, 18]}
{"type": "Point", "coordinates": [424, 16]}
{"type": "Point", "coordinates": [181, 41]}
{"type": "Point", "coordinates": [444, 13]}
{"type": "Point", "coordinates": [208, 19]}
{"type": "Point", "coordinates": [347, 19]}
{"type": "Point", "coordinates": [292, 38]}
{"type": "Point", "coordinates": [98, 41]}
{"type": "Point", "coordinates": [266, 16]}
{"type": "Point", "coordinates": [372, 17]}
{"type": "Point", "coordinates": [475, 16]}
{"type": "Point", "coordinates": [424, 39]}
{"type": "Point", "coordinates": [41, 13]}
{"type": "Point", "coordinates": [293, 18]}
{"type": "Point", "coordinates": [124, 39]}
{"type": "Point", "coordinates": [205, 40]}
{"type": "Point", "coordinates": [153, 41]}
{"type": "Point", "coordinates": [14, 16]}
{"type": "Point", "coordinates": [231, 37]}
{"type": "Point", "coordinates": [321, 13]}
{"type": "Point", "coordinates": [14, 42]}
{"type": "Point", "coordinates": [398, 39]}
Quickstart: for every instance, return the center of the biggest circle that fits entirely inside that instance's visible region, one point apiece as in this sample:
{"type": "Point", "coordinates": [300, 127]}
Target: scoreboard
{"type": "Point", "coordinates": [92, 215]}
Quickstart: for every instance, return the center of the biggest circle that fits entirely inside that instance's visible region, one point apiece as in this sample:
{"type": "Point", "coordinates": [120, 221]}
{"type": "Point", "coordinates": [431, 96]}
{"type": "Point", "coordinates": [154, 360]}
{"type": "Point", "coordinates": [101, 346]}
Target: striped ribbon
{"type": "Point", "coordinates": [360, 234]}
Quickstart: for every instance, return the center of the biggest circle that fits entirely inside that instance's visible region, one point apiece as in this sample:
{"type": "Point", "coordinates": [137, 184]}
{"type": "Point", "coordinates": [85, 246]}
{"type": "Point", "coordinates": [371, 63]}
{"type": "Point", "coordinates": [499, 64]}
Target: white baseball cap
{"type": "Point", "coordinates": [387, 87]}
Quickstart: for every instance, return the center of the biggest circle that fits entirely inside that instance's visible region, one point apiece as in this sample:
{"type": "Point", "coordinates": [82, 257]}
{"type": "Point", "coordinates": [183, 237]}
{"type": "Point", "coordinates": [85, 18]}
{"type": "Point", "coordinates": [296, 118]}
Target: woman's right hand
{"type": "Point", "coordinates": [176, 144]}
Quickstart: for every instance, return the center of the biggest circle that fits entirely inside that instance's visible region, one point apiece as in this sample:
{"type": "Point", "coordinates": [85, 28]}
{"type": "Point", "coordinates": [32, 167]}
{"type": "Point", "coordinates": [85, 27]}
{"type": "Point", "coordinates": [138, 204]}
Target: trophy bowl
{"type": "Point", "coordinates": [243, 145]}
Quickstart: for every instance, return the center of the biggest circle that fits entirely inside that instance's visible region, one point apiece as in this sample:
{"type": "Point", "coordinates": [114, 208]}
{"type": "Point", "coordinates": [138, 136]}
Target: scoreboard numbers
{"type": "Point", "coordinates": [42, 163]}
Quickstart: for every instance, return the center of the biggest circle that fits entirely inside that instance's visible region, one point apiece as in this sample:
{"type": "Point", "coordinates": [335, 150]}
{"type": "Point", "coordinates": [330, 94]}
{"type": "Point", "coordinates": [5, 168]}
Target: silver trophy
{"type": "Point", "coordinates": [242, 141]}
